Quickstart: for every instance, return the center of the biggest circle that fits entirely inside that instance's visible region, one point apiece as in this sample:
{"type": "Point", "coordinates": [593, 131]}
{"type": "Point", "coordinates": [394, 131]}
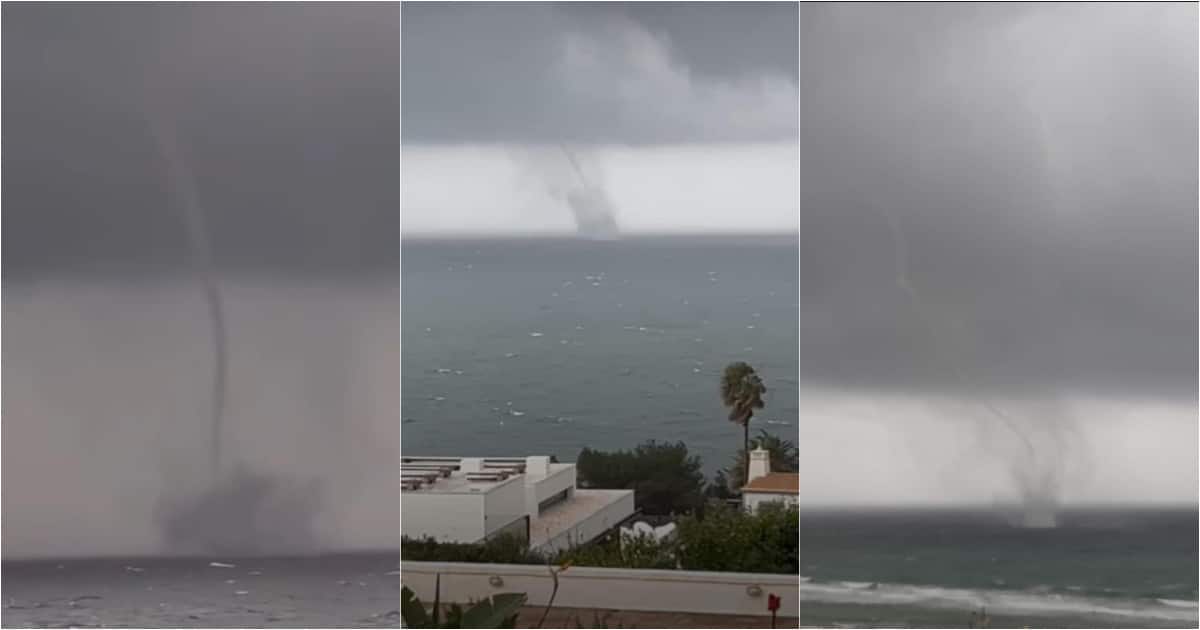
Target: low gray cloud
{"type": "Point", "coordinates": [599, 73]}
{"type": "Point", "coordinates": [287, 114]}
{"type": "Point", "coordinates": [1041, 162]}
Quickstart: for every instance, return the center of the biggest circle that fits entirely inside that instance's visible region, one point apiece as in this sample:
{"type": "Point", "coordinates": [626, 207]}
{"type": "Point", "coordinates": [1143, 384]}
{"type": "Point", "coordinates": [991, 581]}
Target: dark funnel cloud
{"type": "Point", "coordinates": [1040, 164]}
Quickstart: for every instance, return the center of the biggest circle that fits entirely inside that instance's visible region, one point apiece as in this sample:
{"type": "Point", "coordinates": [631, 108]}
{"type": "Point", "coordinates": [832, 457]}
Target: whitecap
{"type": "Point", "coordinates": [535, 334]}
{"type": "Point", "coordinates": [998, 600]}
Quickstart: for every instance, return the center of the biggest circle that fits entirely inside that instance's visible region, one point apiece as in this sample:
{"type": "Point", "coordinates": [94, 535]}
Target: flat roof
{"type": "Point", "coordinates": [567, 514]}
{"type": "Point", "coordinates": [457, 482]}
{"type": "Point", "coordinates": [775, 483]}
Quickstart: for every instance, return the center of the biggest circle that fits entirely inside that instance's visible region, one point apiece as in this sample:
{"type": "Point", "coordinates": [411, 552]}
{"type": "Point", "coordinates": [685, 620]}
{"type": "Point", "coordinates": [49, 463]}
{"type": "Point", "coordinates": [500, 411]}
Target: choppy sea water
{"type": "Point", "coordinates": [331, 591]}
{"type": "Point", "coordinates": [526, 346]}
{"type": "Point", "coordinates": [1117, 568]}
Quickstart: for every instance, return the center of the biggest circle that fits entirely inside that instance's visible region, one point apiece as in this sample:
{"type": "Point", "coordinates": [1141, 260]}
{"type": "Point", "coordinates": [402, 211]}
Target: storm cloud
{"type": "Point", "coordinates": [287, 116]}
{"type": "Point", "coordinates": [599, 73]}
{"type": "Point", "coordinates": [1041, 164]}
{"type": "Point", "coordinates": [684, 116]}
{"type": "Point", "coordinates": [998, 248]}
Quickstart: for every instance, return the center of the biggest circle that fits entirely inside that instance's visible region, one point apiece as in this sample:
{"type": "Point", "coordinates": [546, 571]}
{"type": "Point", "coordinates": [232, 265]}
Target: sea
{"type": "Point", "coordinates": [1099, 567]}
{"type": "Point", "coordinates": [528, 346]}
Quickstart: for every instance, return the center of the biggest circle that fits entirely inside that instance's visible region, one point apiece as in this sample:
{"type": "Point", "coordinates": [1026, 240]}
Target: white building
{"type": "Point", "coordinates": [471, 499]}
{"type": "Point", "coordinates": [765, 486]}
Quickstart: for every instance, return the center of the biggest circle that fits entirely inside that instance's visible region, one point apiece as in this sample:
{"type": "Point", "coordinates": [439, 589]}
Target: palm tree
{"type": "Point", "coordinates": [741, 392]}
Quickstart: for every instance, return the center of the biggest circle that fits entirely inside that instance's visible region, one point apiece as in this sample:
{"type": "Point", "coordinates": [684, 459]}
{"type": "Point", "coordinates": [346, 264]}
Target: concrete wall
{"type": "Point", "coordinates": [561, 477]}
{"type": "Point", "coordinates": [754, 499]}
{"type": "Point", "coordinates": [446, 517]}
{"type": "Point", "coordinates": [503, 504]}
{"type": "Point", "coordinates": [604, 519]}
{"type": "Point", "coordinates": [702, 592]}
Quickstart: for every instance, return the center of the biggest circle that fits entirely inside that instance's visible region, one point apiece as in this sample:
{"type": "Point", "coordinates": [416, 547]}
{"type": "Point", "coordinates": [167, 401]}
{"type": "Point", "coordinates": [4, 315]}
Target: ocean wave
{"type": "Point", "coordinates": [999, 601]}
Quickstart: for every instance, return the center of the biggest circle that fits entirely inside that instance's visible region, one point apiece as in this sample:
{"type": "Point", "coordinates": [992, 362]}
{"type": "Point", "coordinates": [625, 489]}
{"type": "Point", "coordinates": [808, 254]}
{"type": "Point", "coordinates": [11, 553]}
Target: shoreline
{"type": "Point", "coordinates": [842, 615]}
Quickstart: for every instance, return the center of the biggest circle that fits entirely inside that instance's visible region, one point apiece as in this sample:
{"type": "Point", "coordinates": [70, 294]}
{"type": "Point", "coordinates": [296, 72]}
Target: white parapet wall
{"type": "Point", "coordinates": [444, 517]}
{"type": "Point", "coordinates": [589, 514]}
{"type": "Point", "coordinates": [700, 592]}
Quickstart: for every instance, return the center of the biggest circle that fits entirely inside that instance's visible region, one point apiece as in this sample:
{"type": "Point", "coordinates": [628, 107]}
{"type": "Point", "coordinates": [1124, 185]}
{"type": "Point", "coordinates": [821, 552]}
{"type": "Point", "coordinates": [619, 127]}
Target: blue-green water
{"type": "Point", "coordinates": [1131, 565]}
{"type": "Point", "coordinates": [513, 347]}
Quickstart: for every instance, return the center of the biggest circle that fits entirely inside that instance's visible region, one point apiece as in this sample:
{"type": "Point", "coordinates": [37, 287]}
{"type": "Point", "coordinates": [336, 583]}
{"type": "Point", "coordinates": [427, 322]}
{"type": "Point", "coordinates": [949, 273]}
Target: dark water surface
{"type": "Point", "coordinates": [513, 347]}
{"type": "Point", "coordinates": [1133, 566]}
{"type": "Point", "coordinates": [332, 591]}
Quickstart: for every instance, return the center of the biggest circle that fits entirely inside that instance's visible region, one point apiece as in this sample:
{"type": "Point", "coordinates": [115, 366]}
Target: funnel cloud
{"type": "Point", "coordinates": [998, 252]}
{"type": "Point", "coordinates": [201, 298]}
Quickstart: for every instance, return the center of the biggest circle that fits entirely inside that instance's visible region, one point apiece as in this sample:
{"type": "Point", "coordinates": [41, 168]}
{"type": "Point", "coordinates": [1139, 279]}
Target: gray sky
{"type": "Point", "coordinates": [287, 114]}
{"type": "Point", "coordinates": [653, 97]}
{"type": "Point", "coordinates": [1041, 162]}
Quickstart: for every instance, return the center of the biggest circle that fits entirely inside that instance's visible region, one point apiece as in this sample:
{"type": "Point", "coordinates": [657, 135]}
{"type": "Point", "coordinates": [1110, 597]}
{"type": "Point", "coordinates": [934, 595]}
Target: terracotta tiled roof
{"type": "Point", "coordinates": [776, 482]}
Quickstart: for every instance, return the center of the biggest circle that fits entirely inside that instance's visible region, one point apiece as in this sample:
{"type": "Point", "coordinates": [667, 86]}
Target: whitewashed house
{"type": "Point", "coordinates": [471, 499]}
{"type": "Point", "coordinates": [765, 486]}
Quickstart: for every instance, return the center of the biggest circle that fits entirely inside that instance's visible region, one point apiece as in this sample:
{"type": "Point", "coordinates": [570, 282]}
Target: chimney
{"type": "Point", "coordinates": [760, 464]}
{"type": "Point", "coordinates": [537, 465]}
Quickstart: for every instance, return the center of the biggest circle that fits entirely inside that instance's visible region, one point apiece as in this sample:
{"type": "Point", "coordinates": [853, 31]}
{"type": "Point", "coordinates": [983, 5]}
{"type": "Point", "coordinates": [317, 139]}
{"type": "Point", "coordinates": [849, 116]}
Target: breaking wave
{"type": "Point", "coordinates": [1037, 601]}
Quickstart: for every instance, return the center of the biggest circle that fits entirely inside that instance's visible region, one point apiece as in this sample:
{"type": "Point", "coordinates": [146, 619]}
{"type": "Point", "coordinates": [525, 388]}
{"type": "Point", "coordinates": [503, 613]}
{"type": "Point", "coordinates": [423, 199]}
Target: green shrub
{"type": "Point", "coordinates": [506, 549]}
{"type": "Point", "coordinates": [640, 552]}
{"type": "Point", "coordinates": [729, 539]}
{"type": "Point", "coordinates": [664, 479]}
{"type": "Point", "coordinates": [724, 538]}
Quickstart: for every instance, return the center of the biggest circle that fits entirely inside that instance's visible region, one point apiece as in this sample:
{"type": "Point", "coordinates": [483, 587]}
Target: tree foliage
{"type": "Point", "coordinates": [783, 455]}
{"type": "Point", "coordinates": [730, 539]}
{"type": "Point", "coordinates": [663, 477]}
{"type": "Point", "coordinates": [741, 391]}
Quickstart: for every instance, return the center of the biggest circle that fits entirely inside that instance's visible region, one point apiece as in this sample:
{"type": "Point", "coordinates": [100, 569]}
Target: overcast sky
{"type": "Point", "coordinates": [286, 113]}
{"type": "Point", "coordinates": [1040, 162]}
{"type": "Point", "coordinates": [684, 113]}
